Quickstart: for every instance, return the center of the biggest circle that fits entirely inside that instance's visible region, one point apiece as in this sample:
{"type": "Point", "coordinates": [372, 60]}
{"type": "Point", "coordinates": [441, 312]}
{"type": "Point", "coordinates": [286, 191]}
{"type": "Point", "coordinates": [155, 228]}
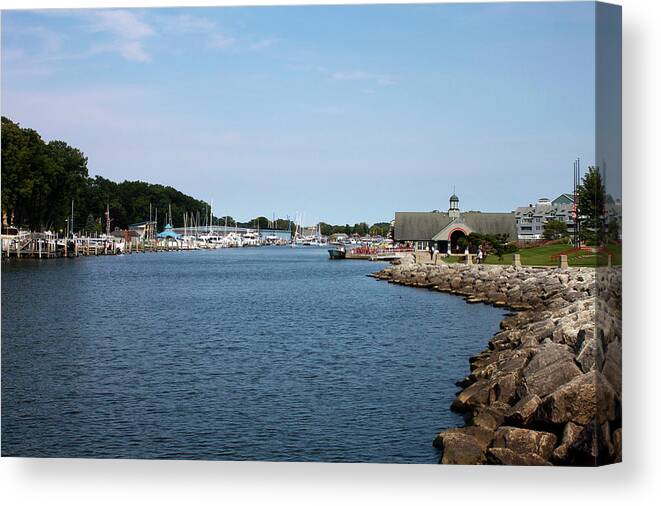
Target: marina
{"type": "Point", "coordinates": [47, 245]}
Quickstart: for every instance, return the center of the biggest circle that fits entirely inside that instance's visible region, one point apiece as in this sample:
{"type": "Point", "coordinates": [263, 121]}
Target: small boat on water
{"type": "Point", "coordinates": [337, 254]}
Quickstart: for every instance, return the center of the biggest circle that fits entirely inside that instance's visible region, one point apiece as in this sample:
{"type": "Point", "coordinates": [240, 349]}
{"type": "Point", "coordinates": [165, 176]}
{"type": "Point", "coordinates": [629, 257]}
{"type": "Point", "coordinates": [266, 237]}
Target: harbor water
{"type": "Point", "coordinates": [235, 354]}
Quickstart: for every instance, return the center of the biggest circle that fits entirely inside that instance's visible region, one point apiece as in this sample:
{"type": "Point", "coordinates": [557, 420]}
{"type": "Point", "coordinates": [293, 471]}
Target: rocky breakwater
{"type": "Point", "coordinates": [547, 390]}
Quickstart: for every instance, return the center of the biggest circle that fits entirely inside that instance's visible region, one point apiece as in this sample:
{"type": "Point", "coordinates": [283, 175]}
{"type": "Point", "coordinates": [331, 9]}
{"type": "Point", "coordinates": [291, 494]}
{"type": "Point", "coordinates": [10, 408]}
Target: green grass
{"type": "Point", "coordinates": [541, 256]}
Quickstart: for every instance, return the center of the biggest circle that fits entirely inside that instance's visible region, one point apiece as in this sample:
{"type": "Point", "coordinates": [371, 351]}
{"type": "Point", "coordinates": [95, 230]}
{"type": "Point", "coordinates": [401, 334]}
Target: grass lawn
{"type": "Point", "coordinates": [542, 256]}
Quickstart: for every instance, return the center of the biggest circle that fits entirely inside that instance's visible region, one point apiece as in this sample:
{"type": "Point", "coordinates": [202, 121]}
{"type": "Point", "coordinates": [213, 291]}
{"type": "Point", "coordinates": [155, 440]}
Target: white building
{"type": "Point", "coordinates": [530, 220]}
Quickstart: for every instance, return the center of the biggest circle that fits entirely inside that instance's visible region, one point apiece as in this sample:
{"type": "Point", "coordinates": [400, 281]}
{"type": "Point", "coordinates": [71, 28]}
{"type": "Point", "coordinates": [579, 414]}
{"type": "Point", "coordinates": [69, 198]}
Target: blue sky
{"type": "Point", "coordinates": [343, 113]}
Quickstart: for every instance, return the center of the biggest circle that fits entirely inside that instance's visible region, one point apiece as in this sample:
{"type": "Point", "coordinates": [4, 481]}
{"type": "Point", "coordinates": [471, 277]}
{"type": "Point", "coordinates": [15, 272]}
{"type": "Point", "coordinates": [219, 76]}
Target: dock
{"type": "Point", "coordinates": [45, 246]}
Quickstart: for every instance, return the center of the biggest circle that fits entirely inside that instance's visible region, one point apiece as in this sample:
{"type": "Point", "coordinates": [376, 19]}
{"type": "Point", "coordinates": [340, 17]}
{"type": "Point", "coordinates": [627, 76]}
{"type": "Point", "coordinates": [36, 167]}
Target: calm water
{"type": "Point", "coordinates": [266, 353]}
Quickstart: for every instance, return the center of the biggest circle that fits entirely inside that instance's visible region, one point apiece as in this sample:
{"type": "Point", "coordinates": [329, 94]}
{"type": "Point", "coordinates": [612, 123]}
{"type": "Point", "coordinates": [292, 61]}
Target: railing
{"type": "Point", "coordinates": [367, 250]}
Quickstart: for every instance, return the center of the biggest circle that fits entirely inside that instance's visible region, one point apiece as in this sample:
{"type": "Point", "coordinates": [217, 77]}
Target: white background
{"type": "Point", "coordinates": [636, 481]}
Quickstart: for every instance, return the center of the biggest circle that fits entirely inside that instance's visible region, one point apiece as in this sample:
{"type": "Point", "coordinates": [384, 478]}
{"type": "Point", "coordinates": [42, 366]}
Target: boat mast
{"type": "Point", "coordinates": [108, 219]}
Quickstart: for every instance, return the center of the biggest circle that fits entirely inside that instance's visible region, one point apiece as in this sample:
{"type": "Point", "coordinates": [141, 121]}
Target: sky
{"type": "Point", "coordinates": [339, 113]}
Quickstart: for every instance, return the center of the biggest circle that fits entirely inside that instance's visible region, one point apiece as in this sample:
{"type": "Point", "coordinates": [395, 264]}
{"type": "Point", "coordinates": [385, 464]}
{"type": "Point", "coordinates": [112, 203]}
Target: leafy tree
{"type": "Point", "coordinates": [555, 229]}
{"type": "Point", "coordinates": [90, 225]}
{"type": "Point", "coordinates": [490, 243]}
{"type": "Point", "coordinates": [613, 231]}
{"type": "Point", "coordinates": [591, 198]}
{"type": "Point", "coordinates": [259, 222]}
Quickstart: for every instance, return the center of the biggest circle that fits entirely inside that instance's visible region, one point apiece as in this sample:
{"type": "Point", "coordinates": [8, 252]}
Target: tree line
{"type": "Point", "coordinates": [382, 229]}
{"type": "Point", "coordinates": [40, 180]}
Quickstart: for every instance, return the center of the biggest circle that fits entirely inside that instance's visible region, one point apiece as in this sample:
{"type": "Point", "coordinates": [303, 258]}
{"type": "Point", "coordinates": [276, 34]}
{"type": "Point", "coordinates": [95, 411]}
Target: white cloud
{"type": "Point", "coordinates": [122, 23]}
{"type": "Point", "coordinates": [127, 30]}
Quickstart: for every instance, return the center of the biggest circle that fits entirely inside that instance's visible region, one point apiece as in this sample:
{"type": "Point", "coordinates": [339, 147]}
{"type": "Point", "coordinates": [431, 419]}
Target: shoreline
{"type": "Point", "coordinates": [547, 389]}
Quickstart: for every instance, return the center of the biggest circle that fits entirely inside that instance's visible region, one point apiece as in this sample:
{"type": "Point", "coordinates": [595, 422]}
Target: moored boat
{"type": "Point", "coordinates": [337, 254]}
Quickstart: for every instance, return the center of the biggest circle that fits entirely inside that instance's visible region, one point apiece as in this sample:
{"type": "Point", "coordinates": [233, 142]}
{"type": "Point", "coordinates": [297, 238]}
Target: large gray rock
{"type": "Point", "coordinates": [569, 437]}
{"type": "Point", "coordinates": [581, 400]}
{"type": "Point", "coordinates": [475, 395]}
{"type": "Point", "coordinates": [504, 387]}
{"type": "Point", "coordinates": [458, 447]}
{"type": "Point", "coordinates": [523, 412]}
{"type": "Point", "coordinates": [507, 457]}
{"type": "Point", "coordinates": [489, 417]}
{"type": "Point", "coordinates": [591, 355]}
{"type": "Point", "coordinates": [483, 436]}
{"type": "Point", "coordinates": [589, 448]}
{"type": "Point", "coordinates": [612, 368]}
{"type": "Point", "coordinates": [547, 354]}
{"type": "Point", "coordinates": [552, 366]}
{"type": "Point", "coordinates": [525, 441]}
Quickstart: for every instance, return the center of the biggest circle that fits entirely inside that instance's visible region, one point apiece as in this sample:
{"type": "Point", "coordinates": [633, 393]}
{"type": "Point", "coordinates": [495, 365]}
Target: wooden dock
{"type": "Point", "coordinates": [45, 246]}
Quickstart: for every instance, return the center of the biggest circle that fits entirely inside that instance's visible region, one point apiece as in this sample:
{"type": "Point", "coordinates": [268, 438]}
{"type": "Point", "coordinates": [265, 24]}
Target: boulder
{"type": "Point", "coordinates": [547, 354]}
{"type": "Point", "coordinates": [504, 387]}
{"type": "Point", "coordinates": [482, 435]}
{"type": "Point", "coordinates": [569, 436]}
{"type": "Point", "coordinates": [475, 395]}
{"type": "Point", "coordinates": [589, 448]}
{"type": "Point", "coordinates": [525, 441]}
{"type": "Point", "coordinates": [547, 379]}
{"type": "Point", "coordinates": [523, 411]}
{"type": "Point", "coordinates": [542, 329]}
{"type": "Point", "coordinates": [568, 330]}
{"type": "Point", "coordinates": [507, 457]}
{"type": "Point", "coordinates": [612, 369]}
{"type": "Point", "coordinates": [591, 354]}
{"type": "Point", "coordinates": [489, 417]}
{"type": "Point", "coordinates": [458, 447]}
{"type": "Point", "coordinates": [582, 399]}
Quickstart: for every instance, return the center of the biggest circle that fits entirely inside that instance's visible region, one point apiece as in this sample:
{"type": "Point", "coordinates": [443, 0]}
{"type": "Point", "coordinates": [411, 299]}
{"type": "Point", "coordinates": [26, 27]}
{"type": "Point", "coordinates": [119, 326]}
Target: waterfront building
{"type": "Point", "coordinates": [127, 236]}
{"type": "Point", "coordinates": [531, 219]}
{"type": "Point", "coordinates": [169, 234]}
{"type": "Point", "coordinates": [145, 229]}
{"type": "Point", "coordinates": [443, 230]}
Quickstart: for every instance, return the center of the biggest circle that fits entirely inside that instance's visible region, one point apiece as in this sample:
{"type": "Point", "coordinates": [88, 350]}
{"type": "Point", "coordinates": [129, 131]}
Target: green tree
{"type": "Point", "coordinates": [555, 229]}
{"type": "Point", "coordinates": [259, 222]}
{"type": "Point", "coordinates": [90, 225]}
{"type": "Point", "coordinates": [591, 197]}
{"type": "Point", "coordinates": [613, 233]}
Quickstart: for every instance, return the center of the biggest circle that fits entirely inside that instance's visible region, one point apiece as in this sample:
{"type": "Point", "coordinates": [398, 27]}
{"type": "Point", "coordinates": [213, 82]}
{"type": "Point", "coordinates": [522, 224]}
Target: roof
{"type": "Point", "coordinates": [564, 198]}
{"type": "Point", "coordinates": [491, 223]}
{"type": "Point", "coordinates": [423, 226]}
{"type": "Point", "coordinates": [545, 210]}
{"type": "Point", "coordinates": [124, 233]}
{"type": "Point", "coordinates": [419, 226]}
{"type": "Point", "coordinates": [168, 233]}
{"type": "Point", "coordinates": [456, 224]}
{"type": "Point", "coordinates": [454, 198]}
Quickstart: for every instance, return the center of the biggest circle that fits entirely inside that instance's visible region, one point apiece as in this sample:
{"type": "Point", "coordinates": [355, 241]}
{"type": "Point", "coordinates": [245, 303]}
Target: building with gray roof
{"type": "Point", "coordinates": [443, 230]}
{"type": "Point", "coordinates": [531, 219]}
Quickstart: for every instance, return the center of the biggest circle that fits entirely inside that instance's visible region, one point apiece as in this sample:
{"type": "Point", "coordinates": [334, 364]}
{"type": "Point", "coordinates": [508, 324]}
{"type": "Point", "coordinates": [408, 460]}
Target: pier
{"type": "Point", "coordinates": [46, 245]}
